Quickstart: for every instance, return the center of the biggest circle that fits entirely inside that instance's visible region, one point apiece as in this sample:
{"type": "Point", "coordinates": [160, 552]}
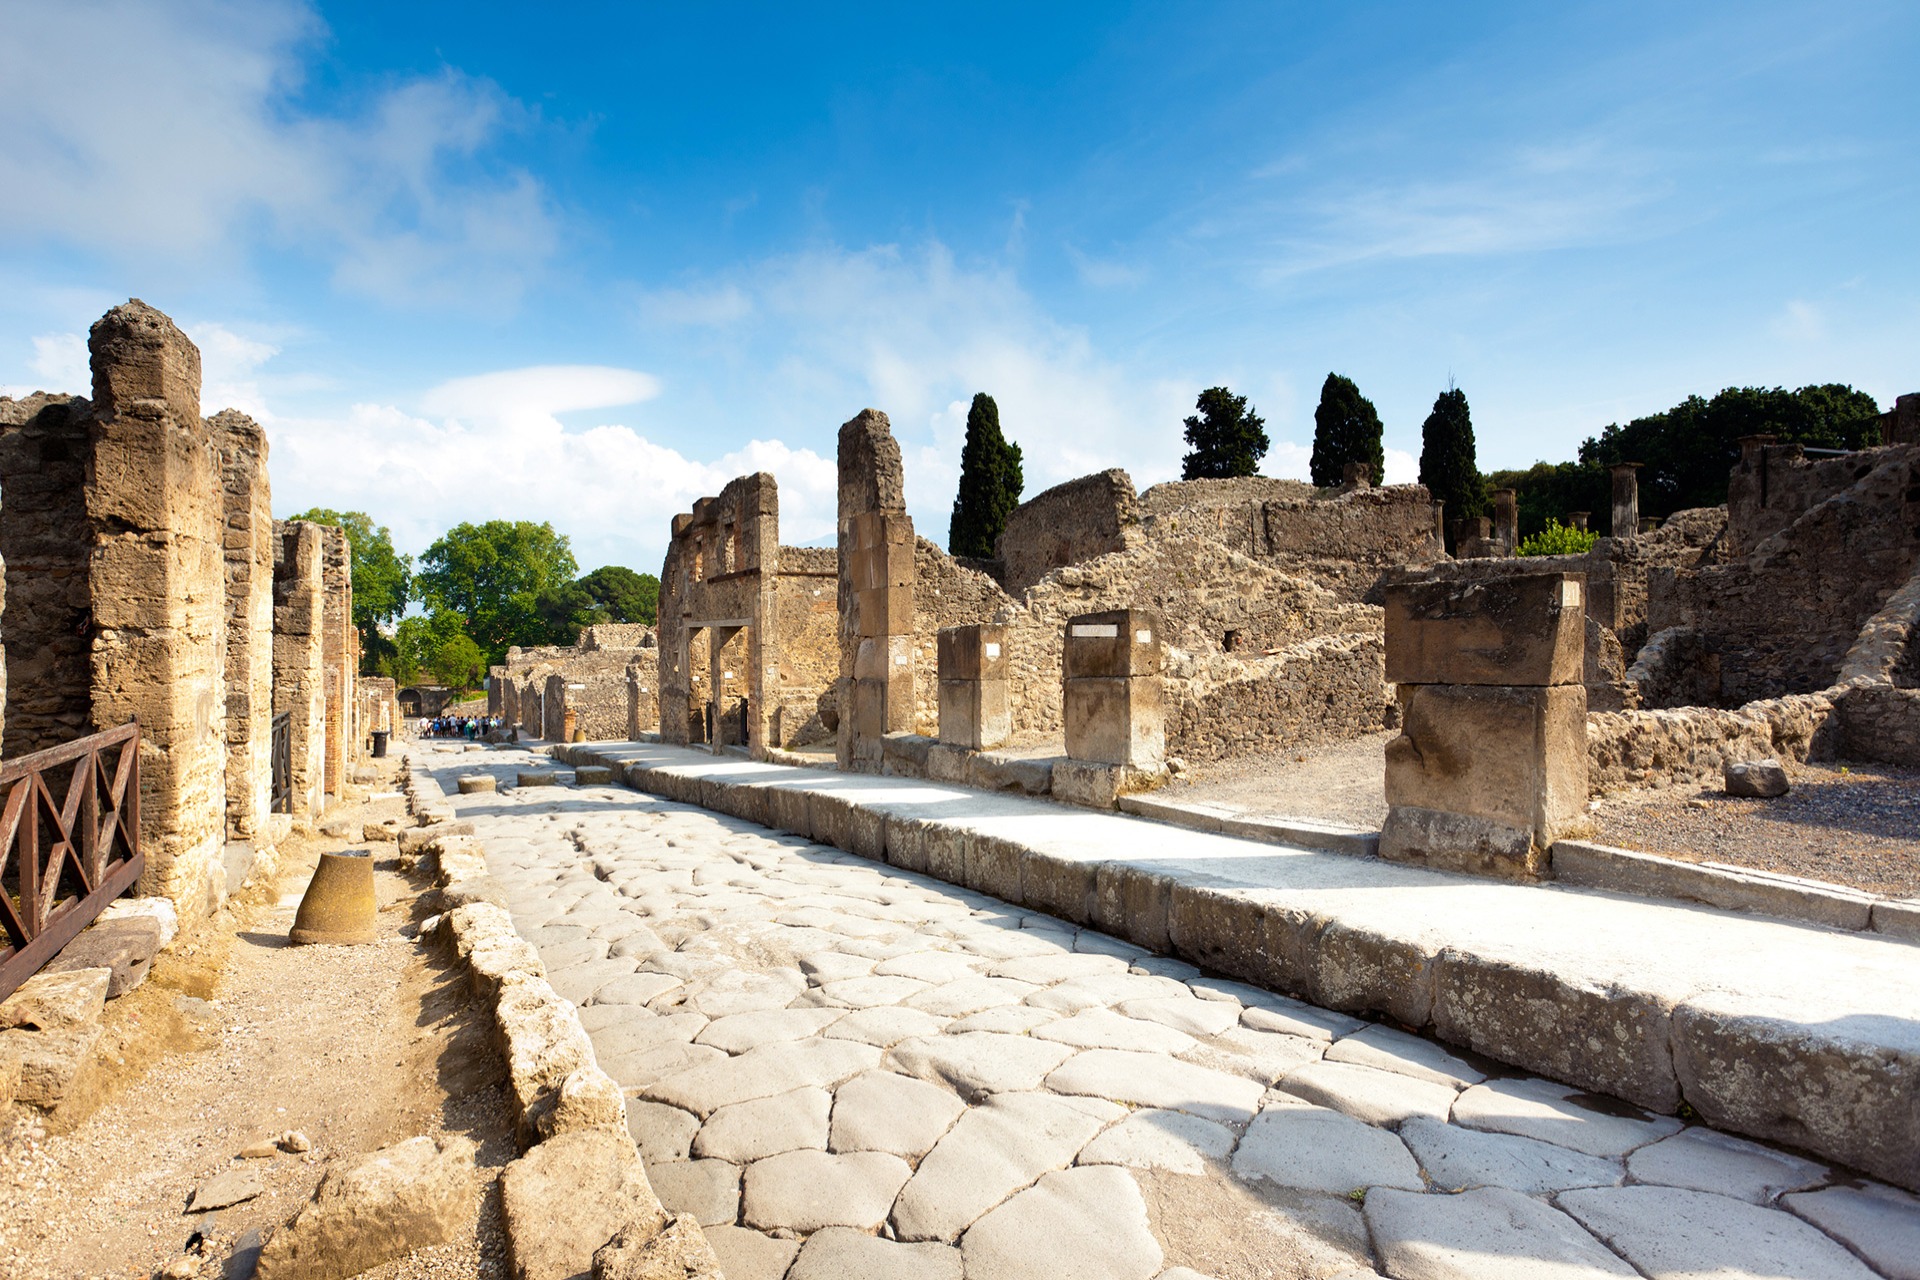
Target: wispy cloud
{"type": "Point", "coordinates": [214, 157]}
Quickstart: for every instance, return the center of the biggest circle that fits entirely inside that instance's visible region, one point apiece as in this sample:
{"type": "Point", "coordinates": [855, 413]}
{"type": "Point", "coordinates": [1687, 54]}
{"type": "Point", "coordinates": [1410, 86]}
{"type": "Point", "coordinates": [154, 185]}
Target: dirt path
{"type": "Point", "coordinates": [238, 1037]}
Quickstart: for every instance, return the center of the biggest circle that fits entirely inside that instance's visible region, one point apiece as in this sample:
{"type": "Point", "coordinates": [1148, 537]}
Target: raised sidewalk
{"type": "Point", "coordinates": [1791, 1032]}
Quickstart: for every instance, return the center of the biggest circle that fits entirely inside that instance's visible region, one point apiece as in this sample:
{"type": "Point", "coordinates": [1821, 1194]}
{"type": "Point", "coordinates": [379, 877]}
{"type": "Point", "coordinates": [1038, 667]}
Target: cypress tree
{"type": "Point", "coordinates": [1447, 464]}
{"type": "Point", "coordinates": [990, 483]}
{"type": "Point", "coordinates": [1227, 436]}
{"type": "Point", "coordinates": [1346, 428]}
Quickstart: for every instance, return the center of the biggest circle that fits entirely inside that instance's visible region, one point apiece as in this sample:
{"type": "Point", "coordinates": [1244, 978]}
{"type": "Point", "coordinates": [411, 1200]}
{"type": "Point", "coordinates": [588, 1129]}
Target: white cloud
{"type": "Point", "coordinates": [61, 358]}
{"type": "Point", "coordinates": [1402, 467]}
{"type": "Point", "coordinates": [1801, 322]}
{"type": "Point", "coordinates": [214, 153]}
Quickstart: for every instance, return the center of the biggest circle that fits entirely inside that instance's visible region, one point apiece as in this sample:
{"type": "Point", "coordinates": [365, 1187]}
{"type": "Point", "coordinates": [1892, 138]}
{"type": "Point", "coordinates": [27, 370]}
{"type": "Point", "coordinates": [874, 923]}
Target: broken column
{"type": "Point", "coordinates": [338, 649]}
{"type": "Point", "coordinates": [299, 666]}
{"type": "Point", "coordinates": [248, 551]}
{"type": "Point", "coordinates": [876, 592]}
{"type": "Point", "coordinates": [1490, 767]}
{"type": "Point", "coordinates": [1111, 696]}
{"type": "Point", "coordinates": [974, 707]}
{"type": "Point", "coordinates": [1578, 519]}
{"type": "Point", "coordinates": [1626, 499]}
{"type": "Point", "coordinates": [1506, 518]}
{"type": "Point", "coordinates": [155, 510]}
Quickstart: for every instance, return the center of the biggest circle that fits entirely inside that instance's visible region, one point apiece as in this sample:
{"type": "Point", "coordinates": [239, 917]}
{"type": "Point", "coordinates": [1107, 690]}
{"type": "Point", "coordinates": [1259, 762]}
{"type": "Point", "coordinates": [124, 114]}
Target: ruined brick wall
{"type": "Point", "coordinates": [155, 510]}
{"type": "Point", "coordinates": [1663, 748]}
{"type": "Point", "coordinates": [341, 655]}
{"type": "Point", "coordinates": [1326, 689]}
{"type": "Point", "coordinates": [247, 508]}
{"type": "Point", "coordinates": [805, 661]}
{"type": "Point", "coordinates": [607, 636]}
{"type": "Point", "coordinates": [299, 668]}
{"type": "Point", "coordinates": [1782, 618]}
{"type": "Point", "coordinates": [45, 542]}
{"type": "Point", "coordinates": [1064, 525]}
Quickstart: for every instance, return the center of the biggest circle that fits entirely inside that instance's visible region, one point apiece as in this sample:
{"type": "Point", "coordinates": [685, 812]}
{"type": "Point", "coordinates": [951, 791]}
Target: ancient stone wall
{"type": "Point", "coordinates": [804, 660]}
{"type": "Point", "coordinates": [716, 613]}
{"type": "Point", "coordinates": [1782, 617]}
{"type": "Point", "coordinates": [875, 594]}
{"type": "Point", "coordinates": [1064, 525]}
{"type": "Point", "coordinates": [155, 511]}
{"type": "Point", "coordinates": [1668, 747]}
{"type": "Point", "coordinates": [341, 653]}
{"type": "Point", "coordinates": [1326, 689]}
{"type": "Point", "coordinates": [603, 637]}
{"type": "Point", "coordinates": [379, 706]}
{"type": "Point", "coordinates": [247, 510]}
{"type": "Point", "coordinates": [299, 667]}
{"type": "Point", "coordinates": [45, 542]}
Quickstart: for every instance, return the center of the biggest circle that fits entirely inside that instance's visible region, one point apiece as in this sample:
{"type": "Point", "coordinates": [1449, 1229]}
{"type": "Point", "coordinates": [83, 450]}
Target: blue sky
{"type": "Point", "coordinates": [585, 263]}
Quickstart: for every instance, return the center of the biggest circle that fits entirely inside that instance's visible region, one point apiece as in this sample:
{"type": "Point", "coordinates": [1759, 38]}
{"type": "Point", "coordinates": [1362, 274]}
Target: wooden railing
{"type": "Point", "coordinates": [63, 859]}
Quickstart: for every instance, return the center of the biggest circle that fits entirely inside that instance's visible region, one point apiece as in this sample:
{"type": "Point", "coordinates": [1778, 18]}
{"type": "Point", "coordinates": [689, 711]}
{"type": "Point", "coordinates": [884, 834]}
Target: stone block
{"type": "Point", "coordinates": [570, 1195]}
{"type": "Point", "coordinates": [993, 865]}
{"type": "Point", "coordinates": [877, 657]}
{"type": "Point", "coordinates": [124, 947]}
{"type": "Point", "coordinates": [975, 652]}
{"type": "Point", "coordinates": [1520, 630]}
{"type": "Point", "coordinates": [1089, 783]}
{"type": "Point", "coordinates": [906, 841]}
{"type": "Point", "coordinates": [49, 1060]}
{"type": "Point", "coordinates": [864, 833]}
{"type": "Point", "coordinates": [412, 1195]}
{"type": "Point", "coordinates": [1031, 776]}
{"type": "Point", "coordinates": [787, 810]}
{"type": "Point", "coordinates": [975, 713]}
{"type": "Point", "coordinates": [1898, 919]}
{"type": "Point", "coordinates": [884, 565]}
{"type": "Point", "coordinates": [56, 1001]}
{"type": "Point", "coordinates": [884, 611]}
{"type": "Point", "coordinates": [537, 778]}
{"type": "Point", "coordinates": [904, 755]}
{"type": "Point", "coordinates": [593, 775]}
{"type": "Point", "coordinates": [1756, 779]}
{"type": "Point", "coordinates": [1118, 642]}
{"type": "Point", "coordinates": [1133, 902]}
{"type": "Point", "coordinates": [947, 762]}
{"type": "Point", "coordinates": [1063, 887]}
{"type": "Point", "coordinates": [1115, 720]}
{"type": "Point", "coordinates": [1485, 779]}
{"type": "Point", "coordinates": [830, 815]}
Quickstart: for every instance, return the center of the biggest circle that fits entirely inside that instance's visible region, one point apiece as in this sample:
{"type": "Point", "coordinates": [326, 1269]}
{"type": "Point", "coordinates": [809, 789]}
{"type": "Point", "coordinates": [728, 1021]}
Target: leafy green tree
{"type": "Point", "coordinates": [1558, 540]}
{"type": "Point", "coordinates": [1447, 464]}
{"type": "Point", "coordinates": [382, 581]}
{"type": "Point", "coordinates": [619, 594]}
{"type": "Point", "coordinates": [1346, 428]}
{"type": "Point", "coordinates": [437, 646]}
{"type": "Point", "coordinates": [1227, 436]}
{"type": "Point", "coordinates": [1688, 450]}
{"type": "Point", "coordinates": [493, 575]}
{"type": "Point", "coordinates": [990, 483]}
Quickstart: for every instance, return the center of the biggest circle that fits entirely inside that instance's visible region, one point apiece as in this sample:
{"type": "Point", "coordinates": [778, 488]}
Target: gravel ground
{"type": "Point", "coordinates": [1340, 782]}
{"type": "Point", "coordinates": [1851, 824]}
{"type": "Point", "coordinates": [236, 1037]}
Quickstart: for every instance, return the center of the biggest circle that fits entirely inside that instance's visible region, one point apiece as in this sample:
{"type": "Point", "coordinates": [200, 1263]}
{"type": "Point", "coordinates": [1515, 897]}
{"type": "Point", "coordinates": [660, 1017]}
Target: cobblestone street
{"type": "Point", "coordinates": [848, 1070]}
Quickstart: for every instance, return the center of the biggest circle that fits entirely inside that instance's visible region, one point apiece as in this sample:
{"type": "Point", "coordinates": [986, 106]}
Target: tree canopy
{"type": "Point", "coordinates": [382, 580]}
{"type": "Point", "coordinates": [1227, 436]}
{"type": "Point", "coordinates": [1448, 466]}
{"type": "Point", "coordinates": [990, 482]}
{"type": "Point", "coordinates": [1346, 428]}
{"type": "Point", "coordinates": [437, 646]}
{"type": "Point", "coordinates": [610, 593]}
{"type": "Point", "coordinates": [493, 575]}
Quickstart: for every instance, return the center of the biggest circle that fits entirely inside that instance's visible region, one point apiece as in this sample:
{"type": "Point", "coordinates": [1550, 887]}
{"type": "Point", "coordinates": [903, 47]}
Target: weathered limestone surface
{"type": "Point", "coordinates": [299, 666]}
{"type": "Point", "coordinates": [876, 602]}
{"type": "Point", "coordinates": [340, 653]}
{"type": "Point", "coordinates": [248, 547]}
{"type": "Point", "coordinates": [973, 1048]}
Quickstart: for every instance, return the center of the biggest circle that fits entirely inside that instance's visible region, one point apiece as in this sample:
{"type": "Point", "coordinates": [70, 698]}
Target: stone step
{"type": "Point", "coordinates": [1783, 1031]}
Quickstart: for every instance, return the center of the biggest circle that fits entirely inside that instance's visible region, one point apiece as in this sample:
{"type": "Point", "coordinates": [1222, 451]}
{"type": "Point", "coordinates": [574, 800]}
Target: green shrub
{"type": "Point", "coordinates": [1558, 540]}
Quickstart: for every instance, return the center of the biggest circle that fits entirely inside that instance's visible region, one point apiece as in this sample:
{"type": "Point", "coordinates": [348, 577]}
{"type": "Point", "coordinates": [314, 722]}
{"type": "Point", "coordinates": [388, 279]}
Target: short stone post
{"type": "Point", "coordinates": [1111, 697]}
{"type": "Point", "coordinates": [1626, 498]}
{"type": "Point", "coordinates": [1506, 518]}
{"type": "Point", "coordinates": [1578, 519]}
{"type": "Point", "coordinates": [1490, 767]}
{"type": "Point", "coordinates": [1440, 523]}
{"type": "Point", "coordinates": [974, 708]}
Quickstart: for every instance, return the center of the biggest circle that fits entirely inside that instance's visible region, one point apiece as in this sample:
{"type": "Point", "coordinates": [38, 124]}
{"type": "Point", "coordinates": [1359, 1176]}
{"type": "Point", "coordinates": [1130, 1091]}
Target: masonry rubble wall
{"type": "Point", "coordinates": [247, 510]}
{"type": "Point", "coordinates": [716, 607]}
{"type": "Point", "coordinates": [340, 651]}
{"type": "Point", "coordinates": [155, 512]}
{"type": "Point", "coordinates": [45, 541]}
{"type": "Point", "coordinates": [299, 664]}
{"type": "Point", "coordinates": [805, 660]}
{"type": "Point", "coordinates": [1673, 746]}
{"type": "Point", "coordinates": [1069, 523]}
{"type": "Point", "coordinates": [1822, 552]}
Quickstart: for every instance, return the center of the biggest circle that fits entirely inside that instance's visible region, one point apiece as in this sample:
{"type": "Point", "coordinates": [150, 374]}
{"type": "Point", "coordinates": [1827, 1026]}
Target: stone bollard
{"type": "Point", "coordinates": [974, 708]}
{"type": "Point", "coordinates": [1490, 767]}
{"type": "Point", "coordinates": [1111, 698]}
{"type": "Point", "coordinates": [1626, 499]}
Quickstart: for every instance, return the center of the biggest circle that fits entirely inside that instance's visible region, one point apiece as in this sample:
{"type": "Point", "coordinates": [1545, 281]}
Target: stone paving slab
{"type": "Point", "coordinates": [1153, 1139]}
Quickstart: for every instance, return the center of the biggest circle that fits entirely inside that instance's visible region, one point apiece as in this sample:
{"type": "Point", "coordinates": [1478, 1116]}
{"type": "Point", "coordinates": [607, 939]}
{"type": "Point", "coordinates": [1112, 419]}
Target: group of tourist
{"type": "Point", "coordinates": [472, 728]}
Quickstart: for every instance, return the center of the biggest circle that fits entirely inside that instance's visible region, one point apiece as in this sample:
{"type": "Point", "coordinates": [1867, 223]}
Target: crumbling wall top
{"type": "Point", "coordinates": [139, 355]}
{"type": "Point", "coordinates": [871, 475]}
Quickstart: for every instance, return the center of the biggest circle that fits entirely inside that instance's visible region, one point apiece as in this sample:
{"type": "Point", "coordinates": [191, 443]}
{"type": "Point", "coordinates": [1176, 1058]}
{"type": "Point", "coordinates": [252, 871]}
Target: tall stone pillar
{"type": "Point", "coordinates": [1506, 518]}
{"type": "Point", "coordinates": [876, 592]}
{"type": "Point", "coordinates": [299, 665]}
{"type": "Point", "coordinates": [338, 650]}
{"type": "Point", "coordinates": [1111, 699]}
{"type": "Point", "coordinates": [155, 510]}
{"type": "Point", "coordinates": [1490, 767]}
{"type": "Point", "coordinates": [1626, 499]}
{"type": "Point", "coordinates": [974, 708]}
{"type": "Point", "coordinates": [1440, 524]}
{"type": "Point", "coordinates": [248, 552]}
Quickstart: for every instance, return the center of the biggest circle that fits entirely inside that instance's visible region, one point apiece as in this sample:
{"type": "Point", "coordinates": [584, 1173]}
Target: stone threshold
{"type": "Point", "coordinates": [1786, 1031]}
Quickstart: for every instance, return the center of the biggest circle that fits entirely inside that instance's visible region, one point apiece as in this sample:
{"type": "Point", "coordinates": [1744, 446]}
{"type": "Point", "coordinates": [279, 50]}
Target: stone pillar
{"type": "Point", "coordinates": [342, 731]}
{"type": "Point", "coordinates": [974, 708]}
{"type": "Point", "coordinates": [248, 550]}
{"type": "Point", "coordinates": [1440, 524]}
{"type": "Point", "coordinates": [1649, 523]}
{"type": "Point", "coordinates": [299, 667]}
{"type": "Point", "coordinates": [1490, 767]}
{"type": "Point", "coordinates": [155, 512]}
{"type": "Point", "coordinates": [1111, 695]}
{"type": "Point", "coordinates": [1626, 499]}
{"type": "Point", "coordinates": [46, 542]}
{"type": "Point", "coordinates": [1506, 518]}
{"type": "Point", "coordinates": [1578, 519]}
{"type": "Point", "coordinates": [496, 690]}
{"type": "Point", "coordinates": [553, 709]}
{"type": "Point", "coordinates": [876, 592]}
{"type": "Point", "coordinates": [643, 700]}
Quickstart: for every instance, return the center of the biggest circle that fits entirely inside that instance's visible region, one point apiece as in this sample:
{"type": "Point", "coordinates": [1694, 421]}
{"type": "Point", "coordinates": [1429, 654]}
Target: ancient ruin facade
{"type": "Point", "coordinates": [596, 680]}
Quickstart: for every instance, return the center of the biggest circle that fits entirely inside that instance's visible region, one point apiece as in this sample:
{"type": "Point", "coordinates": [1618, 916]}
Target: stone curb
{"type": "Point", "coordinates": [1738, 1064]}
{"type": "Point", "coordinates": [1299, 833]}
{"type": "Point", "coordinates": [1714, 884]}
{"type": "Point", "coordinates": [559, 1090]}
